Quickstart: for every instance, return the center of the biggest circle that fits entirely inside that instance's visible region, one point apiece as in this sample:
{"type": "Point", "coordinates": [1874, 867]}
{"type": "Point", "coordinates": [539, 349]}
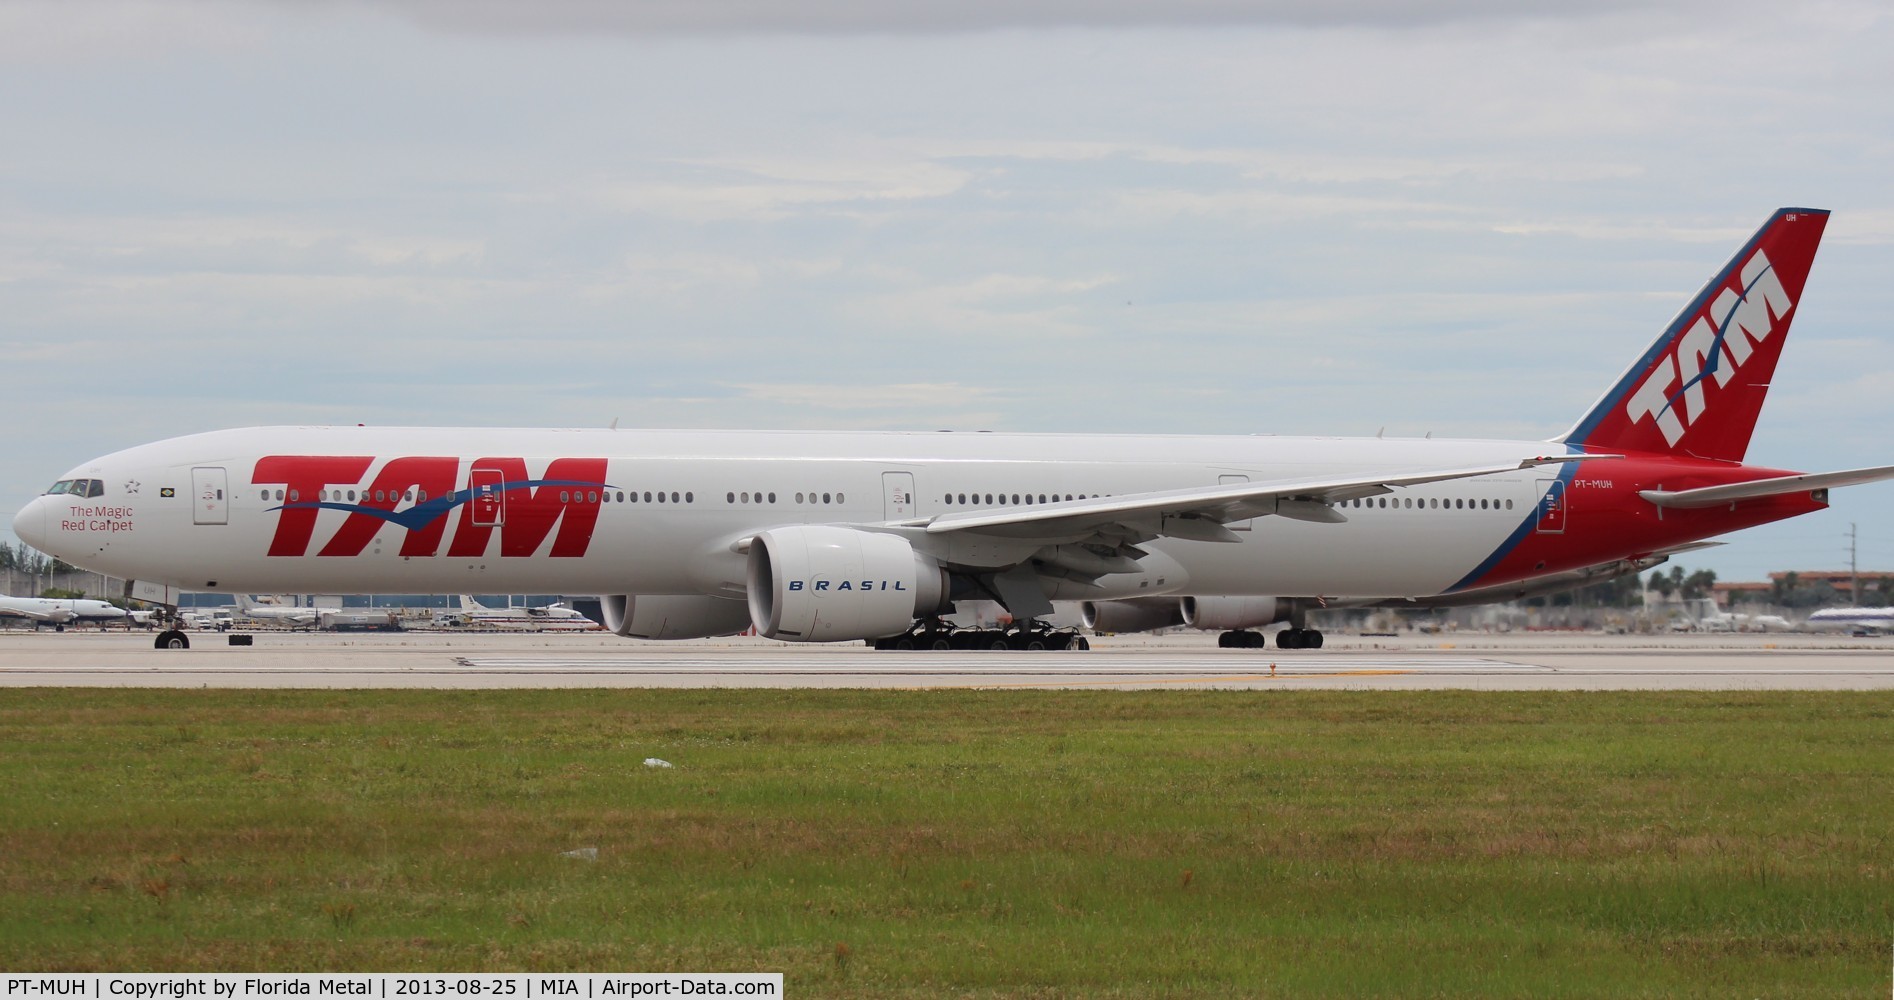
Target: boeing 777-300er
{"type": "Point", "coordinates": [815, 537]}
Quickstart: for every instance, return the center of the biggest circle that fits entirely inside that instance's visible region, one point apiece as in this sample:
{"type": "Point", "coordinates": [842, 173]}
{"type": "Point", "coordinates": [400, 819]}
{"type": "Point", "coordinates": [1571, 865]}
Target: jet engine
{"type": "Point", "coordinates": [1233, 613]}
{"type": "Point", "coordinates": [673, 616]}
{"type": "Point", "coordinates": [1137, 614]}
{"type": "Point", "coordinates": [819, 583]}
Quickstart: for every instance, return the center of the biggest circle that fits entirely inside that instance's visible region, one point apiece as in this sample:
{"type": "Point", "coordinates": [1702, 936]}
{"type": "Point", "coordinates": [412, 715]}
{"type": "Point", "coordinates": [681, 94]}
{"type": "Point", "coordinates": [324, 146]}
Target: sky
{"type": "Point", "coordinates": [1461, 218]}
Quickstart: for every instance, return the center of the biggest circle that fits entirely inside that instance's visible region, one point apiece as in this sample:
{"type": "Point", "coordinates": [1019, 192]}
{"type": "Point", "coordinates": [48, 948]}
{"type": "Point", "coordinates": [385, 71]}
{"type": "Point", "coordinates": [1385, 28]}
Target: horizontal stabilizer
{"type": "Point", "coordinates": [1711, 496]}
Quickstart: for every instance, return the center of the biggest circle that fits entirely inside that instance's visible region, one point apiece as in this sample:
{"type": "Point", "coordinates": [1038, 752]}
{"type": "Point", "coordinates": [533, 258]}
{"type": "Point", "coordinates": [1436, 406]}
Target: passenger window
{"type": "Point", "coordinates": [772, 498]}
{"type": "Point", "coordinates": [825, 498]}
{"type": "Point", "coordinates": [798, 498]}
{"type": "Point", "coordinates": [729, 498]}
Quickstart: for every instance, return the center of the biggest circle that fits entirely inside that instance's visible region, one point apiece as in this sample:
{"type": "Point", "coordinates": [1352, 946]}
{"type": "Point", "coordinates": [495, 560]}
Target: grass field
{"type": "Point", "coordinates": [1086, 843]}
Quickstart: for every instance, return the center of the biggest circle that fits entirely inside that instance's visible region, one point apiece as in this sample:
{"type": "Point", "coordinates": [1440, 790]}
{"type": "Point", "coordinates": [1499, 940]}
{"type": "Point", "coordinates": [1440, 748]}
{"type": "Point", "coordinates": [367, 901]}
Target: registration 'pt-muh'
{"type": "Point", "coordinates": [819, 537]}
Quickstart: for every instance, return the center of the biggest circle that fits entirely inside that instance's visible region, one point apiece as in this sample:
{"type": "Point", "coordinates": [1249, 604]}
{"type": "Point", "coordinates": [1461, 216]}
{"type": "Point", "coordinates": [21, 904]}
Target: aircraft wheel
{"type": "Point", "coordinates": [1079, 643]}
{"type": "Point", "coordinates": [1289, 638]}
{"type": "Point", "coordinates": [1033, 643]}
{"type": "Point", "coordinates": [172, 639]}
{"type": "Point", "coordinates": [997, 640]}
{"type": "Point", "coordinates": [940, 643]}
{"type": "Point", "coordinates": [1314, 639]}
{"type": "Point", "coordinates": [1226, 641]}
{"type": "Point", "coordinates": [904, 643]}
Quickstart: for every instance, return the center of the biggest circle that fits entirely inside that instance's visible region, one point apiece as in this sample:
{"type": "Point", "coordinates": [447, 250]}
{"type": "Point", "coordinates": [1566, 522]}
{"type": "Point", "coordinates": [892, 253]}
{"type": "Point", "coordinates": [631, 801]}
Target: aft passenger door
{"type": "Point", "coordinates": [209, 503]}
{"type": "Point", "coordinates": [1551, 506]}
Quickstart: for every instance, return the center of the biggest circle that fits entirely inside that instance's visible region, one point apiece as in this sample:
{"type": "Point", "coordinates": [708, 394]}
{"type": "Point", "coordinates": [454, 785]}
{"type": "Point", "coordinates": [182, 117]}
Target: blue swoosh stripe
{"type": "Point", "coordinates": [1715, 360]}
{"type": "Point", "coordinates": [1526, 527]}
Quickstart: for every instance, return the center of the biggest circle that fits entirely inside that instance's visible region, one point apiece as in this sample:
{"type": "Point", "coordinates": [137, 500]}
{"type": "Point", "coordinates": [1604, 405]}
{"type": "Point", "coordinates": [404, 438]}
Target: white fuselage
{"type": "Point", "coordinates": [206, 512]}
{"type": "Point", "coordinates": [59, 610]}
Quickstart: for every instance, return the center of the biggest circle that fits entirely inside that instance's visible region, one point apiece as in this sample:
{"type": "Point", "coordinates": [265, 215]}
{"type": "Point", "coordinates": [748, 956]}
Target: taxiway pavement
{"type": "Point", "coordinates": [1535, 661]}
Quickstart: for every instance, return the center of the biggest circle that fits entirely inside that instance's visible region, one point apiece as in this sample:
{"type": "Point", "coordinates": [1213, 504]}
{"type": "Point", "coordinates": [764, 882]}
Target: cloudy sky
{"type": "Point", "coordinates": [1463, 218]}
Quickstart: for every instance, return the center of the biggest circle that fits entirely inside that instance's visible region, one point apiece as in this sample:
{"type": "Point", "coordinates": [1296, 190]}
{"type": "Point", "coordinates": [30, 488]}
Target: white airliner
{"type": "Point", "coordinates": [548, 616]}
{"type": "Point", "coordinates": [60, 611]}
{"type": "Point", "coordinates": [850, 536]}
{"type": "Point", "coordinates": [1867, 621]}
{"type": "Point", "coordinates": [278, 614]}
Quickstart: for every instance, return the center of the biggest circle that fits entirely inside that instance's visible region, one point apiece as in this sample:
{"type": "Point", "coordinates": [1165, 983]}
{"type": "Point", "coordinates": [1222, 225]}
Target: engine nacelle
{"type": "Point", "coordinates": [1136, 614]}
{"type": "Point", "coordinates": [673, 616]}
{"type": "Point", "coordinates": [818, 583]}
{"type": "Point", "coordinates": [1228, 614]}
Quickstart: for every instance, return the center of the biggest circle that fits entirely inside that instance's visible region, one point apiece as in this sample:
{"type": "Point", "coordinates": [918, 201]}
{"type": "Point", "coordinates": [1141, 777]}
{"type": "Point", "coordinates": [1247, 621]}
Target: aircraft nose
{"type": "Point", "coordinates": [29, 525]}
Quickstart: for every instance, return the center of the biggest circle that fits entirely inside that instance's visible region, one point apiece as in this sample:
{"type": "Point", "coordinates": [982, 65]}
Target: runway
{"type": "Point", "coordinates": [1183, 661]}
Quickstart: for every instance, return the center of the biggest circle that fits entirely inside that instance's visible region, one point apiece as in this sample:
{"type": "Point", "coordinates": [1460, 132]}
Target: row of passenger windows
{"type": "Point", "coordinates": [420, 496]}
{"type": "Point", "coordinates": [93, 488]}
{"type": "Point", "coordinates": [993, 499]}
{"type": "Point", "coordinates": [1429, 503]}
{"type": "Point", "coordinates": [761, 497]}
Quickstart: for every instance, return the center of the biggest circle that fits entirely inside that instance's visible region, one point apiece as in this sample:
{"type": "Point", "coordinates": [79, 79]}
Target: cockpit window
{"type": "Point", "coordinates": [78, 488]}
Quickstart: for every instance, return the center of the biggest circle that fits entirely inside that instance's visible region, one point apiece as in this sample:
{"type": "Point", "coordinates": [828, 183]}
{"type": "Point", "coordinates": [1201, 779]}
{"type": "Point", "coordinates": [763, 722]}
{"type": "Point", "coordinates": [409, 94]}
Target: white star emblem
{"type": "Point", "coordinates": [132, 487]}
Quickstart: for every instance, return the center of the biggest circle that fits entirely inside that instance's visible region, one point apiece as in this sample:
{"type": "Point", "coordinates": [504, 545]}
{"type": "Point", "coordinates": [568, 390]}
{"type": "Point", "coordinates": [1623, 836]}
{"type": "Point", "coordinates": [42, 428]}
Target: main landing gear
{"type": "Point", "coordinates": [1289, 638]}
{"type": "Point", "coordinates": [938, 635]}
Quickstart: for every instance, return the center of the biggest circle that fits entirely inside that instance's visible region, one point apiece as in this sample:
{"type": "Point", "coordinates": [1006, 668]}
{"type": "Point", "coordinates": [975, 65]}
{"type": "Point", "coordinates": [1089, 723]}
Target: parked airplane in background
{"type": "Point", "coordinates": [549, 616]}
{"type": "Point", "coordinates": [832, 536]}
{"type": "Point", "coordinates": [60, 611]}
{"type": "Point", "coordinates": [277, 614]}
{"type": "Point", "coordinates": [1862, 621]}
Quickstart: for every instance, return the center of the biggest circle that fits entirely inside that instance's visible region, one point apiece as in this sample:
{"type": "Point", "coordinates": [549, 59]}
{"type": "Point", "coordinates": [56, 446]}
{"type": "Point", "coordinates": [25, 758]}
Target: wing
{"type": "Point", "coordinates": [1015, 552]}
{"type": "Point", "coordinates": [1199, 514]}
{"type": "Point", "coordinates": [55, 615]}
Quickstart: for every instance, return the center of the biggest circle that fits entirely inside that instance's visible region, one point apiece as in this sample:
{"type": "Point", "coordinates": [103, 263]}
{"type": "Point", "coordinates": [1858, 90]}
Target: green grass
{"type": "Point", "coordinates": [1088, 843]}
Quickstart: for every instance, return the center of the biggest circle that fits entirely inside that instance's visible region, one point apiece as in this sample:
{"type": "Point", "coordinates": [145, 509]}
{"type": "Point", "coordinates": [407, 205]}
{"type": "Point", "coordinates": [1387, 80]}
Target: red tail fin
{"type": "Point", "coordinates": [1698, 390]}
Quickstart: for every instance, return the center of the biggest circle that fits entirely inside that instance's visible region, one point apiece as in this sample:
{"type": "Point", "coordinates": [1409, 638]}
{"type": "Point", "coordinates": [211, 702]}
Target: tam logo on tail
{"type": "Point", "coordinates": [1709, 350]}
{"type": "Point", "coordinates": [1698, 389]}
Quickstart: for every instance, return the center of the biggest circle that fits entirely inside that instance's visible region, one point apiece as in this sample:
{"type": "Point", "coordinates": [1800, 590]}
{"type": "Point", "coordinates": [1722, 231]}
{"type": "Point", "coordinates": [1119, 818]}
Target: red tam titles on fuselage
{"type": "Point", "coordinates": [418, 495]}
